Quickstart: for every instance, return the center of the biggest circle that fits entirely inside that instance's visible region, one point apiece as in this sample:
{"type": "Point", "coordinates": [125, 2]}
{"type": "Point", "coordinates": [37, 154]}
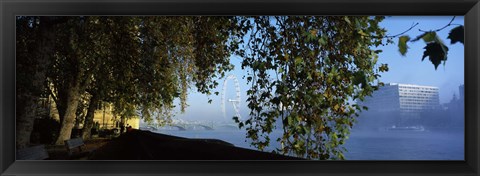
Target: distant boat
{"type": "Point", "coordinates": [405, 128]}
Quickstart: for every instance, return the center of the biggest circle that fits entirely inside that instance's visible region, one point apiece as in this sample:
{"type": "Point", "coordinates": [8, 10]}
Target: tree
{"type": "Point", "coordinates": [136, 63]}
{"type": "Point", "coordinates": [34, 48]}
{"type": "Point", "coordinates": [304, 72]}
{"type": "Point", "coordinates": [176, 53]}
{"type": "Point", "coordinates": [73, 67]}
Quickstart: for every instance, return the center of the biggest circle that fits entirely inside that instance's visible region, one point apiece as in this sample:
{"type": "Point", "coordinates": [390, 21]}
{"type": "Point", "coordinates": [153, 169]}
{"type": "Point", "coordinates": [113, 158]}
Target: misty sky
{"type": "Point", "coordinates": [409, 69]}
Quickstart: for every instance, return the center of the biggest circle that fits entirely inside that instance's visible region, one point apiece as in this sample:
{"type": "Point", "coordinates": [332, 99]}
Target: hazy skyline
{"type": "Point", "coordinates": [407, 69]}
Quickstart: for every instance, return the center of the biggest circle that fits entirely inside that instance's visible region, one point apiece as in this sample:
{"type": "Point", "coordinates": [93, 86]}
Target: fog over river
{"type": "Point", "coordinates": [367, 145]}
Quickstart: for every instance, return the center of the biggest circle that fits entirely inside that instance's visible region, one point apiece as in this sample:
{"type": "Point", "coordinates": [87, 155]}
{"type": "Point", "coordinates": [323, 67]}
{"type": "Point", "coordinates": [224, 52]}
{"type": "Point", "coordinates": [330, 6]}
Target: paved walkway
{"type": "Point", "coordinates": [59, 152]}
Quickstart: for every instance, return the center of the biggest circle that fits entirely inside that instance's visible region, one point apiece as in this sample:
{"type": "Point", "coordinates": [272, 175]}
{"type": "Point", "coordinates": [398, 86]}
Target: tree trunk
{"type": "Point", "coordinates": [87, 126]}
{"type": "Point", "coordinates": [122, 124]}
{"type": "Point", "coordinates": [77, 80]}
{"type": "Point", "coordinates": [25, 119]}
{"type": "Point", "coordinates": [69, 118]}
{"type": "Point", "coordinates": [62, 103]}
{"type": "Point", "coordinates": [28, 99]}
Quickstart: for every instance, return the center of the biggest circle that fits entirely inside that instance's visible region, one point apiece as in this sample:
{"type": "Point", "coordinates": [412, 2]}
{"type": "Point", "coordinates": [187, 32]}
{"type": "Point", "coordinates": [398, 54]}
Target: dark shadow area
{"type": "Point", "coordinates": [145, 145]}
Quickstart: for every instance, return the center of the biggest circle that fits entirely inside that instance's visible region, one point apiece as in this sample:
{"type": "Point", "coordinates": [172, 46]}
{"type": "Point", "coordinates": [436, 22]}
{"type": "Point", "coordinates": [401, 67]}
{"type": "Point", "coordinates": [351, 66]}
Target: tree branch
{"type": "Point", "coordinates": [52, 93]}
{"type": "Point", "coordinates": [449, 24]}
{"type": "Point", "coordinates": [409, 29]}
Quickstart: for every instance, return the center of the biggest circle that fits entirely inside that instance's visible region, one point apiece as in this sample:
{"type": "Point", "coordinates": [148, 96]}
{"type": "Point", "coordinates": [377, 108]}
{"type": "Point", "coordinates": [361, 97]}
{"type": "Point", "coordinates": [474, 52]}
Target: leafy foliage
{"type": "Point", "coordinates": [402, 44]}
{"type": "Point", "coordinates": [35, 47]}
{"type": "Point", "coordinates": [182, 52]}
{"type": "Point", "coordinates": [137, 64]}
{"type": "Point", "coordinates": [435, 49]}
{"type": "Point", "coordinates": [456, 35]}
{"type": "Point", "coordinates": [304, 71]}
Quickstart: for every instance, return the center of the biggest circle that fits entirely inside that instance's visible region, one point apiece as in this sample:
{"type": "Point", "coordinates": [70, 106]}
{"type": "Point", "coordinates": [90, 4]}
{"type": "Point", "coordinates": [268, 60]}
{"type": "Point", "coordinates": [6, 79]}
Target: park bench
{"type": "Point", "coordinates": [32, 153]}
{"type": "Point", "coordinates": [76, 148]}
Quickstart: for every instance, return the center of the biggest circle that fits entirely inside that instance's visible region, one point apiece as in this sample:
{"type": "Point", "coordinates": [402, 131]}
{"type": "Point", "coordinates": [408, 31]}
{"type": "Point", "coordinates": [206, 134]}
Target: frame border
{"type": "Point", "coordinates": [10, 8]}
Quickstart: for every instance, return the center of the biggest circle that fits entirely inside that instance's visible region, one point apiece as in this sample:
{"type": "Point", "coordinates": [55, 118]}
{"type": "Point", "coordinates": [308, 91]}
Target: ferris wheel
{"type": "Point", "coordinates": [236, 101]}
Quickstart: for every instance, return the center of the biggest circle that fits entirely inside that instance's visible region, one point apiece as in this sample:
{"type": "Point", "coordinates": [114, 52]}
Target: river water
{"type": "Point", "coordinates": [365, 145]}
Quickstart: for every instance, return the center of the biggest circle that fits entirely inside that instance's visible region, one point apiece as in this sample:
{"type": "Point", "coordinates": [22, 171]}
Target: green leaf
{"type": "Point", "coordinates": [290, 120]}
{"type": "Point", "coordinates": [436, 52]}
{"type": "Point", "coordinates": [456, 35]}
{"type": "Point", "coordinates": [322, 41]}
{"type": "Point", "coordinates": [359, 78]}
{"type": "Point", "coordinates": [427, 37]}
{"type": "Point", "coordinates": [298, 60]}
{"type": "Point", "coordinates": [362, 33]}
{"type": "Point", "coordinates": [402, 44]}
{"type": "Point", "coordinates": [419, 37]}
{"type": "Point", "coordinates": [347, 20]}
{"type": "Point", "coordinates": [383, 68]}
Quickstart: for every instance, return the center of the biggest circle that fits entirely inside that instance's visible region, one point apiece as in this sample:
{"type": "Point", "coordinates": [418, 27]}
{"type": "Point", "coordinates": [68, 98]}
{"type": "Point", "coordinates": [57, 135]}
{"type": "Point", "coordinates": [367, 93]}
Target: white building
{"type": "Point", "coordinates": [406, 98]}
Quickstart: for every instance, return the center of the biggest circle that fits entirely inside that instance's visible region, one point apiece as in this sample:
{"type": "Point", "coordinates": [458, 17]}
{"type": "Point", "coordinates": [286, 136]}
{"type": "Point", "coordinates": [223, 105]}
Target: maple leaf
{"type": "Point", "coordinates": [436, 52]}
{"type": "Point", "coordinates": [456, 35]}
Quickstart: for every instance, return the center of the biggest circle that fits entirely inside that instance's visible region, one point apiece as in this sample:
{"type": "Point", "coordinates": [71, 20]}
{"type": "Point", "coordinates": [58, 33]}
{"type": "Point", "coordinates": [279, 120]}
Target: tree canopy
{"type": "Point", "coordinates": [304, 71]}
{"type": "Point", "coordinates": [307, 72]}
{"type": "Point", "coordinates": [135, 63]}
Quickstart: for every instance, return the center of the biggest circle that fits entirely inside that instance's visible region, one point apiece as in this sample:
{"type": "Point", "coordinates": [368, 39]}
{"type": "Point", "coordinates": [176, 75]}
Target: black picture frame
{"type": "Point", "coordinates": [10, 8]}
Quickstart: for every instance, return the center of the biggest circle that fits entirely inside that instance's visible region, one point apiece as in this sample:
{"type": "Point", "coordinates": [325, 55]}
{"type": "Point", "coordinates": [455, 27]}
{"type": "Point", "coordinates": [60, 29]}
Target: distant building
{"type": "Point", "coordinates": [456, 108]}
{"type": "Point", "coordinates": [461, 90]}
{"type": "Point", "coordinates": [457, 102]}
{"type": "Point", "coordinates": [106, 119]}
{"type": "Point", "coordinates": [457, 105]}
{"type": "Point", "coordinates": [103, 115]}
{"type": "Point", "coordinates": [403, 98]}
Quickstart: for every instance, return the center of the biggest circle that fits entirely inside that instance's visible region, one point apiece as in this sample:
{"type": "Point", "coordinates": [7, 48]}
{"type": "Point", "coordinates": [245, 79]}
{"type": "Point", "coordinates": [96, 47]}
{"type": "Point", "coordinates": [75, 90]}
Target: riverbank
{"type": "Point", "coordinates": [146, 145]}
